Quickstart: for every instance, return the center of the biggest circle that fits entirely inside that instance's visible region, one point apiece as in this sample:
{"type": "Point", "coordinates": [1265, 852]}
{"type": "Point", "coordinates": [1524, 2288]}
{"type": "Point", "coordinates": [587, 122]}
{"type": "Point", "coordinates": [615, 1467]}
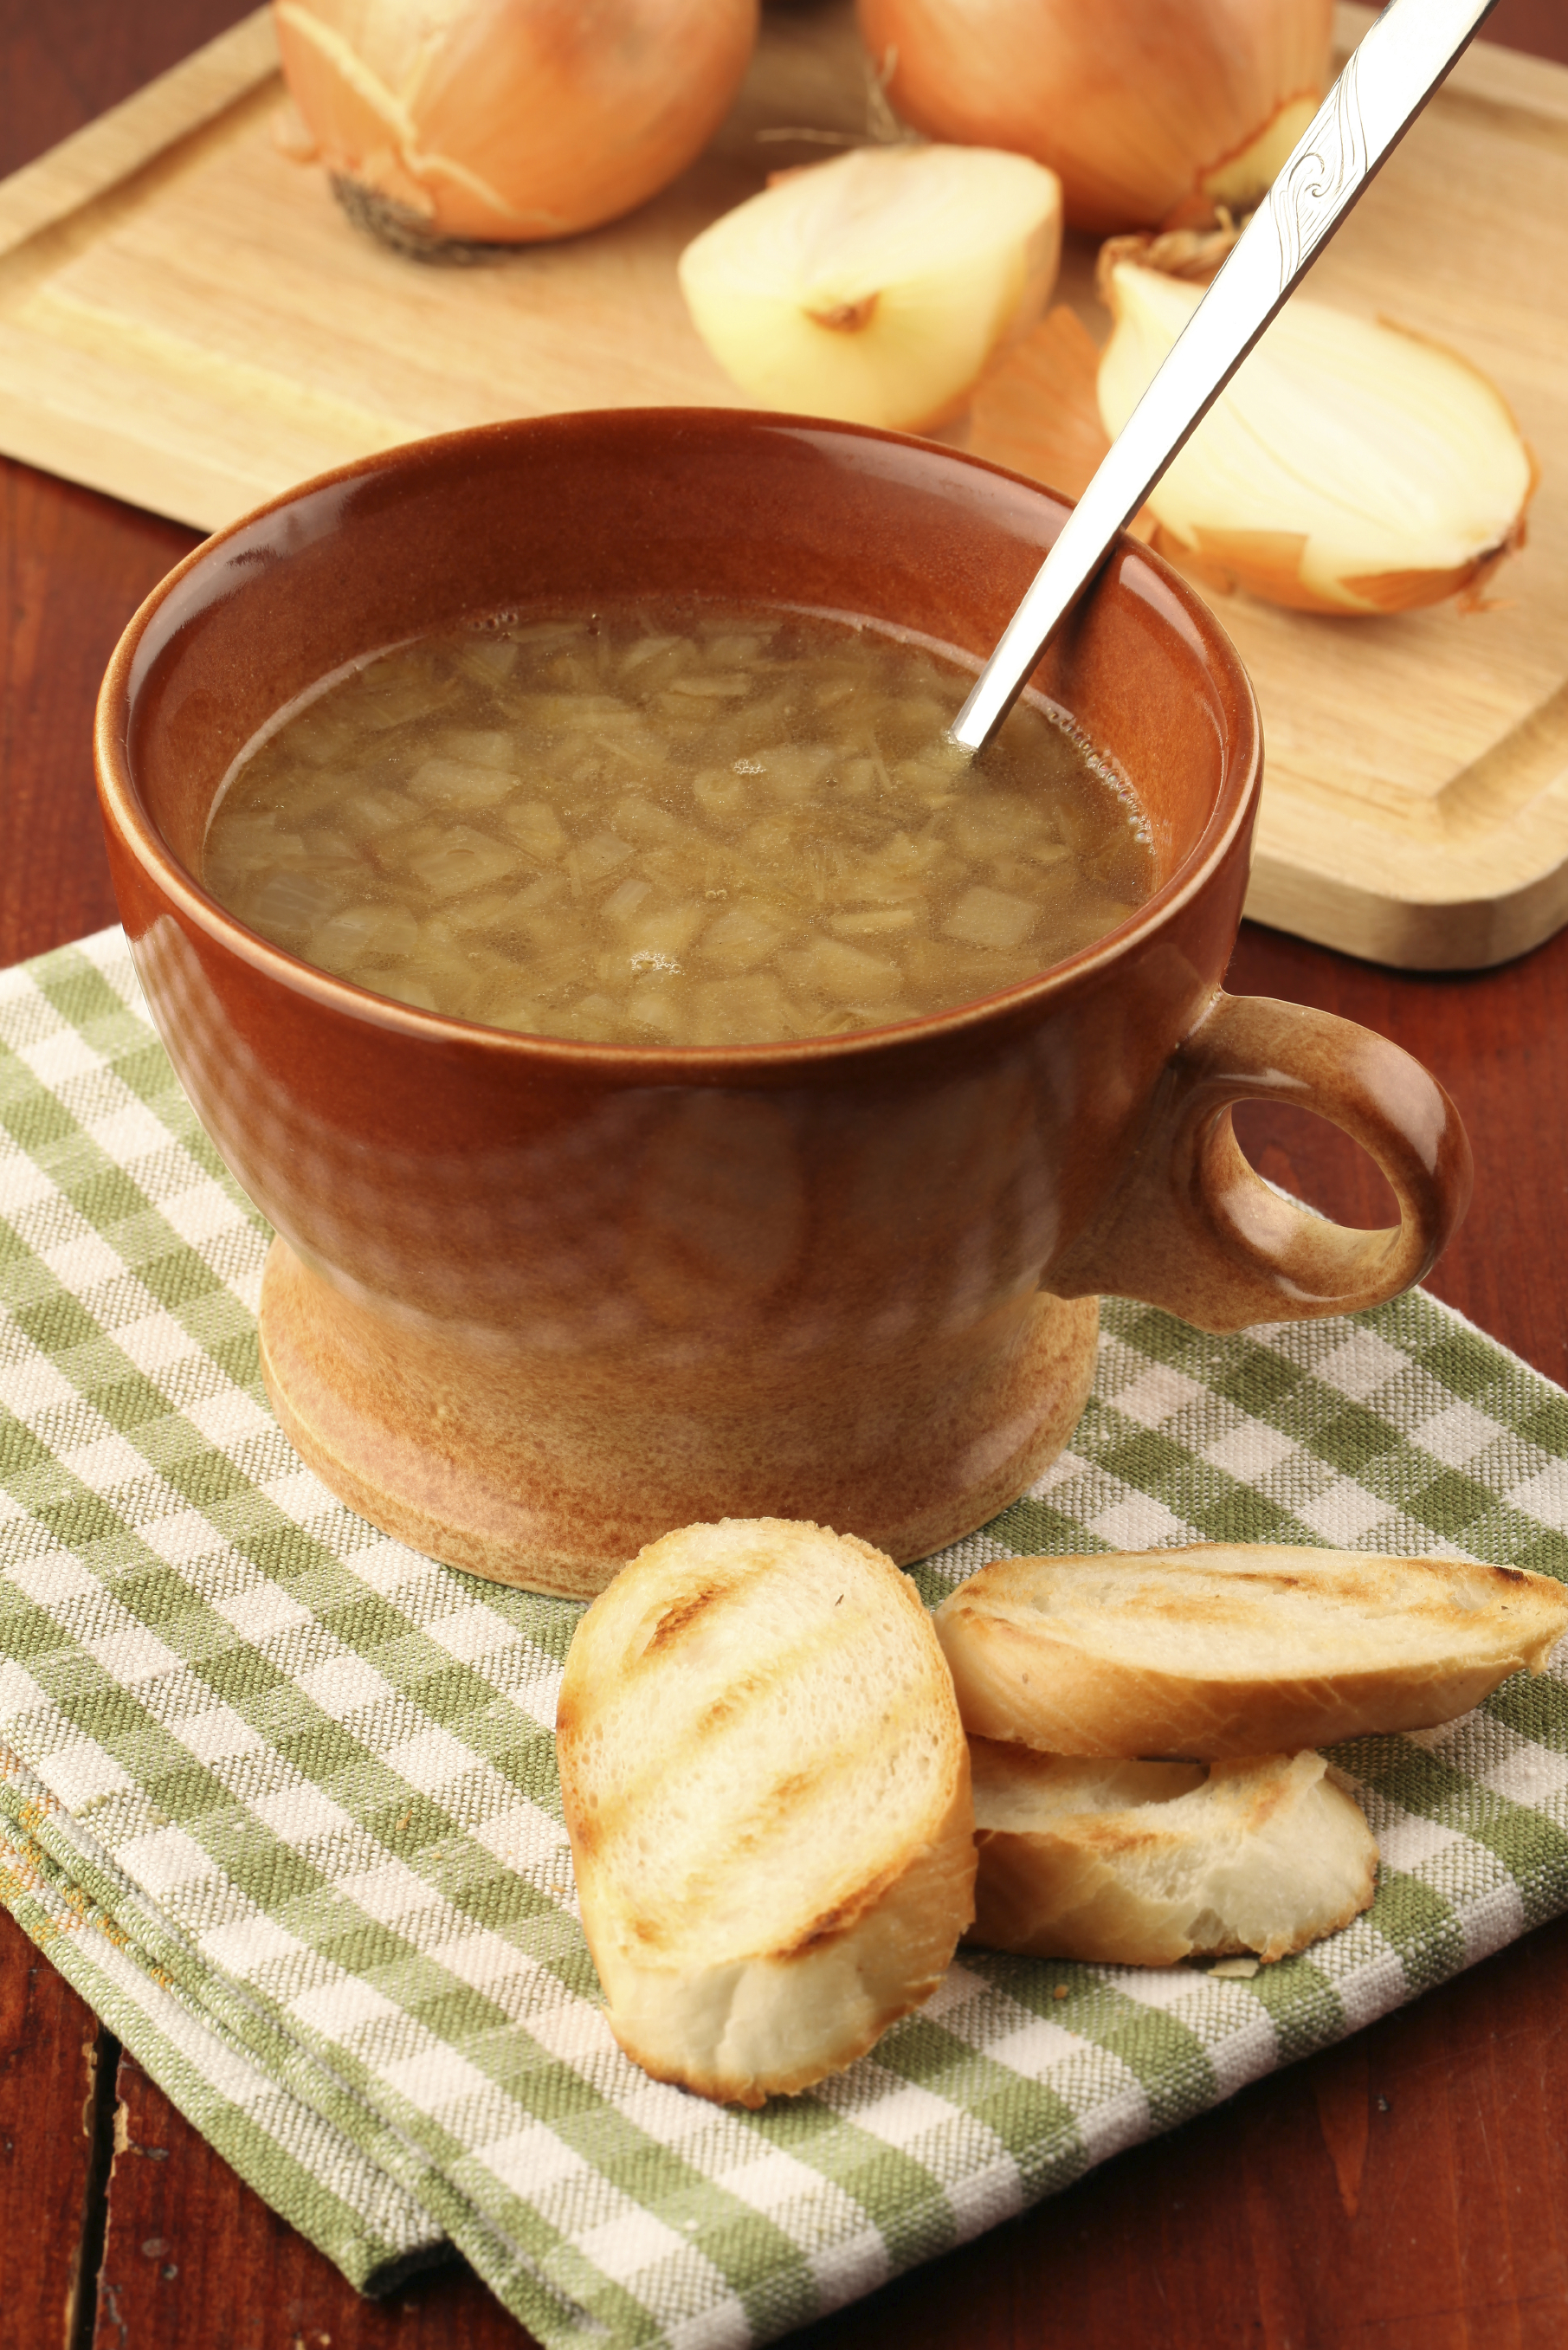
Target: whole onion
{"type": "Point", "coordinates": [509, 121]}
{"type": "Point", "coordinates": [1149, 111]}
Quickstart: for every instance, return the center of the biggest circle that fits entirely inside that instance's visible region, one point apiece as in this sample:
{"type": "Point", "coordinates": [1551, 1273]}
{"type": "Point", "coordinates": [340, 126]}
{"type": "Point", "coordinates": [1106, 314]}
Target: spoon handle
{"type": "Point", "coordinates": [1387, 81]}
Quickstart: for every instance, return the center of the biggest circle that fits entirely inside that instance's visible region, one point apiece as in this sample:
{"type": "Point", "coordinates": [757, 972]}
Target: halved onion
{"type": "Point", "coordinates": [509, 121]}
{"type": "Point", "coordinates": [1350, 466]}
{"type": "Point", "coordinates": [879, 286]}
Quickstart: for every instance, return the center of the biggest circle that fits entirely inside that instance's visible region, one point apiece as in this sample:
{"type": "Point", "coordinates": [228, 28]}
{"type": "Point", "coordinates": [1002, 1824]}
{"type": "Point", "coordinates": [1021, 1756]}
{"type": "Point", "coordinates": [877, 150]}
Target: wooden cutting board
{"type": "Point", "coordinates": [187, 321]}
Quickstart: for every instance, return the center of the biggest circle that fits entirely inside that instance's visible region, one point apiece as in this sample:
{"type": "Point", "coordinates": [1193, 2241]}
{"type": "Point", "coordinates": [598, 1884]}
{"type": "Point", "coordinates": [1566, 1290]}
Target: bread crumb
{"type": "Point", "coordinates": [1060, 1991]}
{"type": "Point", "coordinates": [1243, 1969]}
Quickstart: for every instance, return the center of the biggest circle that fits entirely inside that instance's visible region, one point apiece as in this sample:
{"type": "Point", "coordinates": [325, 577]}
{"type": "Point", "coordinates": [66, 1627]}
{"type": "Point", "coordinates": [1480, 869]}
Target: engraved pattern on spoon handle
{"type": "Point", "coordinates": [1327, 166]}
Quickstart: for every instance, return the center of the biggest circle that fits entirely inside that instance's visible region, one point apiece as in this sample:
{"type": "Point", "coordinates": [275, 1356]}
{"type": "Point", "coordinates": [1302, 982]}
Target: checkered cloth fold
{"type": "Point", "coordinates": [278, 1795]}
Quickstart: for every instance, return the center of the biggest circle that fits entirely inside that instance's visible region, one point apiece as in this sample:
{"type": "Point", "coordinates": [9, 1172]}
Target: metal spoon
{"type": "Point", "coordinates": [1383, 88]}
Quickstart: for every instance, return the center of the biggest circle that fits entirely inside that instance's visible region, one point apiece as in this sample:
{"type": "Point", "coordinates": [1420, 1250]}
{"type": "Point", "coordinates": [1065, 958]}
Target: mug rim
{"type": "Point", "coordinates": [125, 809]}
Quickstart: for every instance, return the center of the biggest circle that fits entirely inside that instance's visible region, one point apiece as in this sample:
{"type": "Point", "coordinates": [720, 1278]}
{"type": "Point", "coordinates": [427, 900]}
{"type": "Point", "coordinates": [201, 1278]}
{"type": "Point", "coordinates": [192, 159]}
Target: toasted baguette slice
{"type": "Point", "coordinates": [1141, 1864]}
{"type": "Point", "coordinates": [1231, 1649]}
{"type": "Point", "coordinates": [766, 1788]}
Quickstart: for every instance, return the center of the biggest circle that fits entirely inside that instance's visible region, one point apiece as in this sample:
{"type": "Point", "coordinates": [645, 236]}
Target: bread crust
{"type": "Point", "coordinates": [1145, 1864]}
{"type": "Point", "coordinates": [766, 1787]}
{"type": "Point", "coordinates": [1227, 1650]}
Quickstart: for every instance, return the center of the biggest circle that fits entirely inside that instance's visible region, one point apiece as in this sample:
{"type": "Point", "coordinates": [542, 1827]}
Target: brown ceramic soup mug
{"type": "Point", "coordinates": [534, 1301]}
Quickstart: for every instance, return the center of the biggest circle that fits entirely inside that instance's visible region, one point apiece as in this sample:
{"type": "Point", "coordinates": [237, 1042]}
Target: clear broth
{"type": "Point", "coordinates": [673, 826]}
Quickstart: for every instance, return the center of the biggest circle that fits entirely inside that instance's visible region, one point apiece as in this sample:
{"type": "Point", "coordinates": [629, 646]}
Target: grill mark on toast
{"type": "Point", "coordinates": [1121, 1609]}
{"type": "Point", "coordinates": [709, 1868]}
{"type": "Point", "coordinates": [743, 1689]}
{"type": "Point", "coordinates": [666, 1924]}
{"type": "Point", "coordinates": [681, 1614]}
{"type": "Point", "coordinates": [842, 1917]}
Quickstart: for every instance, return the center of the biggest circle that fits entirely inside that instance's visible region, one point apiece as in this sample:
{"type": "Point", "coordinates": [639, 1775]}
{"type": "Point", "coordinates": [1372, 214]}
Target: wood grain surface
{"type": "Point", "coordinates": [57, 2078]}
{"type": "Point", "coordinates": [1405, 2191]}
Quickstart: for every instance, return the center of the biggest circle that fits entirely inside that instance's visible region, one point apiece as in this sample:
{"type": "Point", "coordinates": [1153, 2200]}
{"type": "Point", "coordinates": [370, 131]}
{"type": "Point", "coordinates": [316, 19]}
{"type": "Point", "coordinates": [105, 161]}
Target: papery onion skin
{"type": "Point", "coordinates": [1150, 112]}
{"type": "Point", "coordinates": [511, 122]}
{"type": "Point", "coordinates": [1351, 466]}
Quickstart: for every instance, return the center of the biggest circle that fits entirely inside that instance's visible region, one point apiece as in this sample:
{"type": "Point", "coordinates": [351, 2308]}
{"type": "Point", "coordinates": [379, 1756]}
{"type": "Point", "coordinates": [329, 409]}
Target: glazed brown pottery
{"type": "Point", "coordinates": [533, 1302]}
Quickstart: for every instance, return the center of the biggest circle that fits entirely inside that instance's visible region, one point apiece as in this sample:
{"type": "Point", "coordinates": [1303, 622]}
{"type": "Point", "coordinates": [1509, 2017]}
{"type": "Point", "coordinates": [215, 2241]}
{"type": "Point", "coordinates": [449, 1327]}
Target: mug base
{"type": "Point", "coordinates": [488, 1462]}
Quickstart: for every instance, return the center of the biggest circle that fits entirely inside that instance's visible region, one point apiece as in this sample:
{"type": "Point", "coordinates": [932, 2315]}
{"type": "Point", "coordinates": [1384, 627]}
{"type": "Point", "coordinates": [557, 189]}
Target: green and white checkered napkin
{"type": "Point", "coordinates": [278, 1795]}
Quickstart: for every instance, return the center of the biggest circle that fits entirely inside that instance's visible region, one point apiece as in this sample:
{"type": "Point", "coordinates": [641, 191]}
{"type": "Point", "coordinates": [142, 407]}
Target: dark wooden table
{"type": "Point", "coordinates": [1406, 2192]}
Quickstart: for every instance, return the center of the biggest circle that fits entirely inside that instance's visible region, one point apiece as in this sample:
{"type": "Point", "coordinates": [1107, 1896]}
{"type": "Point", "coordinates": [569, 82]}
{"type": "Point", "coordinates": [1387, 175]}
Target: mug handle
{"type": "Point", "coordinates": [1195, 1228]}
